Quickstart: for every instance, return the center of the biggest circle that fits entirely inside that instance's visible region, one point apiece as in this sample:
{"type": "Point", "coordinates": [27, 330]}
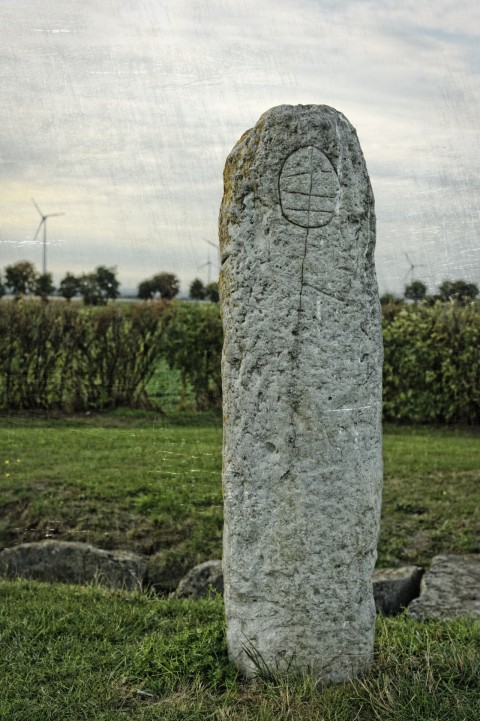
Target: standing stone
{"type": "Point", "coordinates": [302, 362]}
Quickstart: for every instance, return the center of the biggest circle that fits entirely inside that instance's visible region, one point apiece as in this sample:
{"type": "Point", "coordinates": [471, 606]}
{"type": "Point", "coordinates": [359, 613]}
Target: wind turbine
{"type": "Point", "coordinates": [208, 265]}
{"type": "Point", "coordinates": [412, 267]}
{"type": "Point", "coordinates": [44, 223]}
{"type": "Point", "coordinates": [217, 248]}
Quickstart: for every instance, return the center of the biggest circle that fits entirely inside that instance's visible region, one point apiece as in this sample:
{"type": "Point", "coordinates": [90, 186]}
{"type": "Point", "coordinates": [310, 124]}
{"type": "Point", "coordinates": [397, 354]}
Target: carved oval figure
{"type": "Point", "coordinates": [308, 186]}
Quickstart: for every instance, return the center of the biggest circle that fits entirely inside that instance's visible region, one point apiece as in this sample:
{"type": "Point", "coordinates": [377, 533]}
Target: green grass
{"type": "Point", "coordinates": [431, 496]}
{"type": "Point", "coordinates": [150, 482]}
{"type": "Point", "coordinates": [71, 653]}
{"type": "Point", "coordinates": [123, 480]}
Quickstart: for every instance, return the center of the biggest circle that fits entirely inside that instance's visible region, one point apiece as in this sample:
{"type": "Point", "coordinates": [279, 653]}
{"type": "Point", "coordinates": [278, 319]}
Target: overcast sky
{"type": "Point", "coordinates": [120, 114]}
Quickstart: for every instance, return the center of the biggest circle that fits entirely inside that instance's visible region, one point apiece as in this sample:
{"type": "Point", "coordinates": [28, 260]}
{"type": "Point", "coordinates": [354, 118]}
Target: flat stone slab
{"type": "Point", "coordinates": [451, 587]}
{"type": "Point", "coordinates": [200, 579]}
{"type": "Point", "coordinates": [72, 562]}
{"type": "Point", "coordinates": [395, 588]}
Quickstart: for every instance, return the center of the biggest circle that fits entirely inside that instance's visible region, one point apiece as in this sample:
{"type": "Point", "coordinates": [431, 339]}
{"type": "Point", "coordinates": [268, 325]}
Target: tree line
{"type": "Point", "coordinates": [97, 287]}
{"type": "Point", "coordinates": [449, 290]}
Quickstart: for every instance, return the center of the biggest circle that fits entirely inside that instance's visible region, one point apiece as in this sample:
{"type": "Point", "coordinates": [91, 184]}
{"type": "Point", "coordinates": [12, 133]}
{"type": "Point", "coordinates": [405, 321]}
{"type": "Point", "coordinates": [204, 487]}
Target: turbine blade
{"type": "Point", "coordinates": [37, 207]}
{"type": "Point", "coordinates": [38, 229]}
{"type": "Point", "coordinates": [52, 215]}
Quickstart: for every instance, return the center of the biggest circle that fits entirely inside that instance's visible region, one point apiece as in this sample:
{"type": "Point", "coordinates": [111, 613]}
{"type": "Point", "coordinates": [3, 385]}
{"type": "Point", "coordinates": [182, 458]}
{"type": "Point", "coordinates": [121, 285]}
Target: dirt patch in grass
{"type": "Point", "coordinates": [429, 514]}
{"type": "Point", "coordinates": [22, 524]}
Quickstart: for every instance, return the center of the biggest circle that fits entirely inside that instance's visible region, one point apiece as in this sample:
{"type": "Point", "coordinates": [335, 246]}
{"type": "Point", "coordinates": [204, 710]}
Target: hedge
{"type": "Point", "coordinates": [62, 355]}
{"type": "Point", "coordinates": [431, 369]}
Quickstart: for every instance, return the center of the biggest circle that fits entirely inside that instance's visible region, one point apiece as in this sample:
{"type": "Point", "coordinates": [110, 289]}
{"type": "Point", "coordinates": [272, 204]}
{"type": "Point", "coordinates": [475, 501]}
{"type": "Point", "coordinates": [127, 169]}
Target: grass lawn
{"type": "Point", "coordinates": [122, 480]}
{"type": "Point", "coordinates": [70, 653]}
{"type": "Point", "coordinates": [151, 483]}
{"type": "Point", "coordinates": [431, 495]}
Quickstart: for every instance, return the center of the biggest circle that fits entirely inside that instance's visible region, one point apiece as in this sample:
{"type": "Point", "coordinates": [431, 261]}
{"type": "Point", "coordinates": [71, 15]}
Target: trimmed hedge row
{"type": "Point", "coordinates": [61, 355]}
{"type": "Point", "coordinates": [193, 345]}
{"type": "Point", "coordinates": [431, 369]}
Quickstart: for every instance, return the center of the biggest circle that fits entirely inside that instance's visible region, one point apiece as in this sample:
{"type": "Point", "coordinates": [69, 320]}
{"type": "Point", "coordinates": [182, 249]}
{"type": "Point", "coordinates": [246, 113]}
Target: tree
{"type": "Point", "coordinates": [107, 282]}
{"type": "Point", "coordinates": [2, 288]}
{"type": "Point", "coordinates": [145, 290]}
{"type": "Point", "coordinates": [69, 286]}
{"type": "Point", "coordinates": [415, 291]}
{"type": "Point", "coordinates": [458, 290]}
{"type": "Point", "coordinates": [211, 291]}
{"type": "Point", "coordinates": [197, 290]}
{"type": "Point", "coordinates": [389, 299]}
{"type": "Point", "coordinates": [89, 290]}
{"type": "Point", "coordinates": [166, 285]}
{"type": "Point", "coordinates": [21, 278]}
{"type": "Point", "coordinates": [99, 287]}
{"type": "Point", "coordinates": [44, 286]}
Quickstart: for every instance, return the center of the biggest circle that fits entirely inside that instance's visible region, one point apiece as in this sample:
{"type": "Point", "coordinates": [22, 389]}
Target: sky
{"type": "Point", "coordinates": [120, 115]}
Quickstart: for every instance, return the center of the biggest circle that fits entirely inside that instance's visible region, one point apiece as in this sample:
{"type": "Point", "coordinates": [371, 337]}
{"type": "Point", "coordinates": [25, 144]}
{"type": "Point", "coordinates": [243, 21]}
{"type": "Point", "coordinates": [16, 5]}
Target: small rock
{"type": "Point", "coordinates": [72, 562]}
{"type": "Point", "coordinates": [395, 588]}
{"type": "Point", "coordinates": [197, 581]}
{"type": "Point", "coordinates": [450, 588]}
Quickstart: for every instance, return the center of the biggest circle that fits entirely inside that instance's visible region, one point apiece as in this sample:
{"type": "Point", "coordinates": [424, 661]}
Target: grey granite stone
{"type": "Point", "coordinates": [199, 579]}
{"type": "Point", "coordinates": [302, 362]}
{"type": "Point", "coordinates": [395, 588]}
{"type": "Point", "coordinates": [71, 562]}
{"type": "Point", "coordinates": [451, 587]}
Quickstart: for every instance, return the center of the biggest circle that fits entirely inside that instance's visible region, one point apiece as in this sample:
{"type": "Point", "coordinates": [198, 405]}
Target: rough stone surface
{"type": "Point", "coordinates": [395, 588]}
{"type": "Point", "coordinates": [70, 562]}
{"type": "Point", "coordinates": [302, 461]}
{"type": "Point", "coordinates": [198, 581]}
{"type": "Point", "coordinates": [451, 587]}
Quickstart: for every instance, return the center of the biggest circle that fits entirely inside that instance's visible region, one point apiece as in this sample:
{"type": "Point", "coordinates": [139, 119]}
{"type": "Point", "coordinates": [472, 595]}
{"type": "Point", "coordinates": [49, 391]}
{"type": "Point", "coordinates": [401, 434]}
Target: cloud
{"type": "Point", "coordinates": [125, 120]}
